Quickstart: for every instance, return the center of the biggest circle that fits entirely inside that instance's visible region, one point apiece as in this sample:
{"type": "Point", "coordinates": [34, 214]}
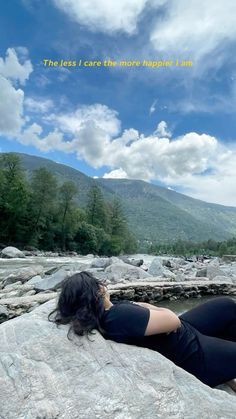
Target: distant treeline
{"type": "Point", "coordinates": [38, 212]}
{"type": "Point", "coordinates": [186, 248]}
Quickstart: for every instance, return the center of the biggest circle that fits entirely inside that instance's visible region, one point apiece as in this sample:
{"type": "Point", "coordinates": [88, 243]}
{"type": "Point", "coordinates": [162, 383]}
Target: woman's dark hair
{"type": "Point", "coordinates": [80, 303]}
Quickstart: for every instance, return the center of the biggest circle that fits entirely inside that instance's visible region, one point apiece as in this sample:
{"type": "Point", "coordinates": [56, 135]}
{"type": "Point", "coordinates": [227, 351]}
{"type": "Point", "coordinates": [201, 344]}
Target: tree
{"type": "Point", "coordinates": [43, 200]}
{"type": "Point", "coordinates": [222, 249]}
{"type": "Point", "coordinates": [118, 225]}
{"type": "Point", "coordinates": [86, 239]}
{"type": "Point", "coordinates": [67, 211]}
{"type": "Point", "coordinates": [96, 208]}
{"type": "Point", "coordinates": [121, 238]}
{"type": "Point", "coordinates": [14, 199]}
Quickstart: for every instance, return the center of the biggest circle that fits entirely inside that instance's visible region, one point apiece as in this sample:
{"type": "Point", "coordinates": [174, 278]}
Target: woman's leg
{"type": "Point", "coordinates": [219, 360]}
{"type": "Point", "coordinates": [216, 318]}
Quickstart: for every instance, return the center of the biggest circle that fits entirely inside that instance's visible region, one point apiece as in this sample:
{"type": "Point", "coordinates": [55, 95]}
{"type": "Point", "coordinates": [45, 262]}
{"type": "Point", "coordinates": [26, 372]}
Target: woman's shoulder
{"type": "Point", "coordinates": [126, 318]}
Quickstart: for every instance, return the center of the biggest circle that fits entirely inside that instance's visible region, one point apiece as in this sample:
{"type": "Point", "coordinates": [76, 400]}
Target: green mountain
{"type": "Point", "coordinates": [154, 213]}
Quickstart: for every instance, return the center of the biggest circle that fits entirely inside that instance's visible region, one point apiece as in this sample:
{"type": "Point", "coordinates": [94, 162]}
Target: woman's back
{"type": "Point", "coordinates": [126, 322]}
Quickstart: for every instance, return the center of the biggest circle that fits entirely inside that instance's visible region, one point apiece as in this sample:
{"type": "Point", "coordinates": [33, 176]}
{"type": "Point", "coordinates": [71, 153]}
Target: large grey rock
{"type": "Point", "coordinates": [16, 306]}
{"type": "Point", "coordinates": [12, 286]}
{"type": "Point", "coordinates": [52, 282]}
{"type": "Point", "coordinates": [23, 274]}
{"type": "Point", "coordinates": [12, 252]}
{"type": "Point", "coordinates": [223, 278]}
{"type": "Point", "coordinates": [44, 375]}
{"type": "Point", "coordinates": [100, 263]}
{"type": "Point", "coordinates": [210, 272]}
{"type": "Point", "coordinates": [4, 314]}
{"type": "Point", "coordinates": [35, 279]}
{"type": "Point", "coordinates": [133, 262]}
{"type": "Point", "coordinates": [122, 270]}
{"type": "Point", "coordinates": [229, 258]}
{"type": "Point", "coordinates": [157, 269]}
{"type": "Point", "coordinates": [214, 263]}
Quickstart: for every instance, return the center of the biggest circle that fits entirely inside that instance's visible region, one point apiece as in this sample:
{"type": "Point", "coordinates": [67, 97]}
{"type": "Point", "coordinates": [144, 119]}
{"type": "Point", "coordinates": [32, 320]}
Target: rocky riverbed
{"type": "Point", "coordinates": [44, 375]}
{"type": "Point", "coordinates": [29, 279]}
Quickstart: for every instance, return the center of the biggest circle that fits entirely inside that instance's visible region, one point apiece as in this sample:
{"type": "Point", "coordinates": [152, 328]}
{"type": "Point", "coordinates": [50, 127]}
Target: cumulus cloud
{"type": "Point", "coordinates": [193, 30]}
{"type": "Point", "coordinates": [38, 105]}
{"type": "Point", "coordinates": [162, 130]}
{"type": "Point", "coordinates": [103, 15]}
{"type": "Point", "coordinates": [12, 98]}
{"type": "Point", "coordinates": [102, 116]}
{"type": "Point", "coordinates": [116, 174]}
{"type": "Point", "coordinates": [12, 69]}
{"type": "Point", "coordinates": [187, 29]}
{"type": "Point", "coordinates": [11, 108]}
{"type": "Point", "coordinates": [96, 137]}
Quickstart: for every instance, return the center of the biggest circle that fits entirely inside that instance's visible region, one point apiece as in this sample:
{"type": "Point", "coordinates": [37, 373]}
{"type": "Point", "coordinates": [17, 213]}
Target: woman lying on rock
{"type": "Point", "coordinates": [202, 341]}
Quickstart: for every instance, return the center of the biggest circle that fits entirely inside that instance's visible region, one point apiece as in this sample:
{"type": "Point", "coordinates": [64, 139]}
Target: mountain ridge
{"type": "Point", "coordinates": [154, 213]}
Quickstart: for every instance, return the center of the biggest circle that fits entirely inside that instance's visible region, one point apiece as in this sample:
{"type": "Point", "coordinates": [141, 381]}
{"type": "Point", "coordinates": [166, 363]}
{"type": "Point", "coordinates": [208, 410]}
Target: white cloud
{"type": "Point", "coordinates": [116, 174]}
{"type": "Point", "coordinates": [153, 107]}
{"type": "Point", "coordinates": [38, 105]}
{"type": "Point", "coordinates": [193, 29]}
{"type": "Point", "coordinates": [185, 29]}
{"type": "Point", "coordinates": [92, 131]}
{"type": "Point", "coordinates": [162, 130]}
{"type": "Point", "coordinates": [32, 135]}
{"type": "Point", "coordinates": [12, 69]}
{"type": "Point", "coordinates": [11, 98]}
{"type": "Point", "coordinates": [11, 108]}
{"type": "Point", "coordinates": [103, 15]}
{"type": "Point", "coordinates": [102, 116]}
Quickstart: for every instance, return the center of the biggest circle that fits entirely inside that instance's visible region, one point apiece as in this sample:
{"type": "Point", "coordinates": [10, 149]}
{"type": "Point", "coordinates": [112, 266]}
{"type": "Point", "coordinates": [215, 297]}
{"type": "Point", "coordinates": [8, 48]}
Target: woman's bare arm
{"type": "Point", "coordinates": [161, 320]}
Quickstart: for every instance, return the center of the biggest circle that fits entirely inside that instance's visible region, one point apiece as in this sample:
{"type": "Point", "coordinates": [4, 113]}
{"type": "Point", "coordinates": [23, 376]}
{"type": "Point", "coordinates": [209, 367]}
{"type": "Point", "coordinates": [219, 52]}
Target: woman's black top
{"type": "Point", "coordinates": [126, 322]}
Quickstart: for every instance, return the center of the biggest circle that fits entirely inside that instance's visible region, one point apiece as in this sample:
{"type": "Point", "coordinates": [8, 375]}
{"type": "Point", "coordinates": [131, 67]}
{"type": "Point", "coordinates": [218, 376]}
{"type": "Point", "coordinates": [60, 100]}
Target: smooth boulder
{"type": "Point", "coordinates": [157, 269]}
{"type": "Point", "coordinates": [44, 375]}
{"type": "Point", "coordinates": [10, 252]}
{"type": "Point", "coordinates": [23, 274]}
{"type": "Point", "coordinates": [121, 270]}
{"type": "Point", "coordinates": [210, 272]}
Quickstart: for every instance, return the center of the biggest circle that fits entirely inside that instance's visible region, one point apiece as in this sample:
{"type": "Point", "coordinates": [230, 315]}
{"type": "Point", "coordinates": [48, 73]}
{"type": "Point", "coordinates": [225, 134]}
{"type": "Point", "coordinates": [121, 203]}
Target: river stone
{"type": "Point", "coordinates": [97, 378]}
{"type": "Point", "coordinates": [229, 258]}
{"type": "Point", "coordinates": [210, 272]}
{"type": "Point", "coordinates": [35, 279]}
{"type": "Point", "coordinates": [122, 270]}
{"type": "Point", "coordinates": [23, 274]}
{"type": "Point", "coordinates": [133, 262]}
{"type": "Point", "coordinates": [12, 286]}
{"type": "Point", "coordinates": [157, 269]}
{"type": "Point", "coordinates": [54, 281]}
{"type": "Point", "coordinates": [100, 263]}
{"type": "Point", "coordinates": [223, 278]}
{"type": "Point", "coordinates": [3, 313]}
{"type": "Point", "coordinates": [11, 252]}
{"type": "Point", "coordinates": [114, 259]}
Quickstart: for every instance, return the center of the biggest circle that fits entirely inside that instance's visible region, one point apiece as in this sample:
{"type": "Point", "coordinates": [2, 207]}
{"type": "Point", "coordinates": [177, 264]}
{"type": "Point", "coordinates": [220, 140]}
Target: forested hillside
{"type": "Point", "coordinates": [153, 213]}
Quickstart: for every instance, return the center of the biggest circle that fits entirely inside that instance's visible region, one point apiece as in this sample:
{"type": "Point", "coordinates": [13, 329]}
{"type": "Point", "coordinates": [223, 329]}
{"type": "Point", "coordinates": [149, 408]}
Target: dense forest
{"type": "Point", "coordinates": [188, 248]}
{"type": "Point", "coordinates": [39, 212]}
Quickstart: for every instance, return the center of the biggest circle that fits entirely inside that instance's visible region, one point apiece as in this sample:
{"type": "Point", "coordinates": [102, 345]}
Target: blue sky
{"type": "Point", "coordinates": [174, 126]}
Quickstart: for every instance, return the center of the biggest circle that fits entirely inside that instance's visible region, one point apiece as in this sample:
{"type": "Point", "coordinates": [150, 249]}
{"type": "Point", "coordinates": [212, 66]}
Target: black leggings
{"type": "Point", "coordinates": [215, 322]}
